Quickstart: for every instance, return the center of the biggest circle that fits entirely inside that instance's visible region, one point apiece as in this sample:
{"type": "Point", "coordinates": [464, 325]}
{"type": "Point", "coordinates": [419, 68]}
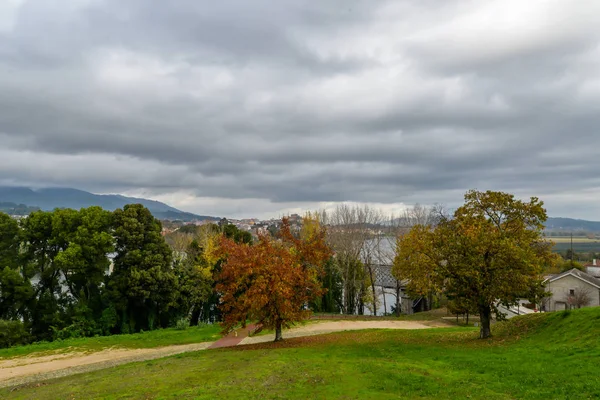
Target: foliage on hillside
{"type": "Point", "coordinates": [67, 274]}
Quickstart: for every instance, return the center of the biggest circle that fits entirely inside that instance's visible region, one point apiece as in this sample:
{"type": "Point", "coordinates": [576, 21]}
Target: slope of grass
{"type": "Point", "coordinates": [549, 356]}
{"type": "Point", "coordinates": [157, 338]}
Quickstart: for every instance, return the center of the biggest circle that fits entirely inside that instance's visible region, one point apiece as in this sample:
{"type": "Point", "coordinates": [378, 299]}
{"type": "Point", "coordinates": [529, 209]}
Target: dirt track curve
{"type": "Point", "coordinates": [32, 368]}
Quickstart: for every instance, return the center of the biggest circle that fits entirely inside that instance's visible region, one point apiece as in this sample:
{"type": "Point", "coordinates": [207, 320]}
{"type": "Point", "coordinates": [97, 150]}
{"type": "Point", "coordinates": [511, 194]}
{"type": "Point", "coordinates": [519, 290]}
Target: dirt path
{"type": "Point", "coordinates": [321, 328]}
{"type": "Point", "coordinates": [29, 369]}
{"type": "Point", "coordinates": [24, 370]}
{"type": "Point", "coordinates": [234, 338]}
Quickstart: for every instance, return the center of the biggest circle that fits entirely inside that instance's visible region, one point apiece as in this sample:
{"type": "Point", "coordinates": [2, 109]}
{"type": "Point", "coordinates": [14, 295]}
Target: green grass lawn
{"type": "Point", "coordinates": [540, 356]}
{"type": "Point", "coordinates": [157, 338]}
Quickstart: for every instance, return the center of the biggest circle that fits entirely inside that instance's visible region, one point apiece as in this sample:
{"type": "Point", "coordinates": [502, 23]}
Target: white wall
{"type": "Point", "coordinates": [560, 291]}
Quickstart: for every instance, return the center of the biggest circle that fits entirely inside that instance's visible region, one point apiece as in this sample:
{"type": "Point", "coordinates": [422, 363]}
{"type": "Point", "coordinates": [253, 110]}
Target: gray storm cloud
{"type": "Point", "coordinates": [302, 102]}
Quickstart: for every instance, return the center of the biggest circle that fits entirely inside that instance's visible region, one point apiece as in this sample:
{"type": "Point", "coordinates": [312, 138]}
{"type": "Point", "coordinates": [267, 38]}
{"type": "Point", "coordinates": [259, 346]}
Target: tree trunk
{"type": "Point", "coordinates": [373, 290]}
{"type": "Point", "coordinates": [485, 314]}
{"type": "Point", "coordinates": [195, 315]}
{"type": "Point", "coordinates": [278, 336]}
{"type": "Point", "coordinates": [384, 302]}
{"type": "Point", "coordinates": [397, 298]}
{"type": "Point", "coordinates": [347, 290]}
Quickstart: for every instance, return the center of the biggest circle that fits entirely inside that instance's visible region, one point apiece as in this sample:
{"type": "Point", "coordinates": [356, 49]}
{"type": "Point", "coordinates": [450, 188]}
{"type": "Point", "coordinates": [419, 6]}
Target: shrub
{"type": "Point", "coordinates": [109, 320]}
{"type": "Point", "coordinates": [80, 327]}
{"type": "Point", "coordinates": [13, 333]}
{"type": "Point", "coordinates": [182, 324]}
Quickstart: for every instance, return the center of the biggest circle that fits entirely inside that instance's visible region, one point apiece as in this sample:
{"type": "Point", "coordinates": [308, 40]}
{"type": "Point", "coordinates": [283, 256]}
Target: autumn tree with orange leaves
{"type": "Point", "coordinates": [272, 281]}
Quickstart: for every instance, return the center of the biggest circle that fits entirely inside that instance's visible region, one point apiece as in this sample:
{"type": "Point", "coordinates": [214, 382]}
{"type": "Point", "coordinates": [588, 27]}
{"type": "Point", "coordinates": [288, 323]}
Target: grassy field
{"type": "Point", "coordinates": [567, 239]}
{"type": "Point", "coordinates": [158, 338]}
{"type": "Point", "coordinates": [171, 336]}
{"type": "Point", "coordinates": [580, 244]}
{"type": "Point", "coordinates": [540, 356]}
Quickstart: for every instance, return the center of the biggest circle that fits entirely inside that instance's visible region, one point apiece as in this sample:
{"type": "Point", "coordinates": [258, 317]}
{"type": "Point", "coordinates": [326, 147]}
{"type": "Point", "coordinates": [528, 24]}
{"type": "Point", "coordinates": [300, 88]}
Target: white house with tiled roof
{"type": "Point", "coordinates": [569, 286]}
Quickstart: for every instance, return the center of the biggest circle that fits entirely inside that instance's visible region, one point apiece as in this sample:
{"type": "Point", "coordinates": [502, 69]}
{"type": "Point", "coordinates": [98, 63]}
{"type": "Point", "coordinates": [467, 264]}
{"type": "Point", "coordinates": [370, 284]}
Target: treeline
{"type": "Point", "coordinates": [68, 273]}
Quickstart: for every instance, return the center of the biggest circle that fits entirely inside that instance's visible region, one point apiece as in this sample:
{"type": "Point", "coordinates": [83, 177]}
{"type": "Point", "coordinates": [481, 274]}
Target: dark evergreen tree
{"type": "Point", "coordinates": [15, 288]}
{"type": "Point", "coordinates": [143, 284]}
{"type": "Point", "coordinates": [41, 247]}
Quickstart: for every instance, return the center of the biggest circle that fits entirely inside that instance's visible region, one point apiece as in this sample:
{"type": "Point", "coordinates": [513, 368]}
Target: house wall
{"type": "Point", "coordinates": [390, 300]}
{"type": "Point", "coordinates": [560, 290]}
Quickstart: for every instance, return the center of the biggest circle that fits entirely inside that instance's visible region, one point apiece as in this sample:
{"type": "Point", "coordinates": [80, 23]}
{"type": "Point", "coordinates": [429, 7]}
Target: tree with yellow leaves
{"type": "Point", "coordinates": [491, 252]}
{"type": "Point", "coordinates": [195, 273]}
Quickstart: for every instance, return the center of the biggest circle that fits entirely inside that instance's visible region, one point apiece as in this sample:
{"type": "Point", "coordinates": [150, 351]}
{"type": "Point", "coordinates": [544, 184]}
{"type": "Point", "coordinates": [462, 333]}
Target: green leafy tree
{"type": "Point", "coordinates": [331, 281]}
{"type": "Point", "coordinates": [16, 293]}
{"type": "Point", "coordinates": [143, 283]}
{"type": "Point", "coordinates": [196, 266]}
{"type": "Point", "coordinates": [462, 306]}
{"type": "Point", "coordinates": [13, 333]}
{"type": "Point", "coordinates": [493, 251]}
{"type": "Point", "coordinates": [233, 232]}
{"type": "Point", "coordinates": [570, 264]}
{"type": "Point", "coordinates": [195, 276]}
{"type": "Point", "coordinates": [10, 242]}
{"type": "Point", "coordinates": [84, 260]}
{"type": "Point", "coordinates": [86, 240]}
{"type": "Point", "coordinates": [15, 289]}
{"type": "Point", "coordinates": [40, 249]}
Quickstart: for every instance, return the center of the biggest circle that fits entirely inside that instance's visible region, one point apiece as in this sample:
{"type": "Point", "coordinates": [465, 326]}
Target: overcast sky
{"type": "Point", "coordinates": [258, 108]}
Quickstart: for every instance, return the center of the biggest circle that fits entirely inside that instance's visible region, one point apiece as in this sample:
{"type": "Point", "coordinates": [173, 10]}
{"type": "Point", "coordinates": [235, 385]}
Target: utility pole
{"type": "Point", "coordinates": [571, 249]}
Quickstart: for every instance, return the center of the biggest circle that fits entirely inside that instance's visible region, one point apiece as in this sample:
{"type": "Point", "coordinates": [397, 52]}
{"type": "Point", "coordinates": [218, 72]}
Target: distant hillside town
{"type": "Point", "coordinates": [253, 225]}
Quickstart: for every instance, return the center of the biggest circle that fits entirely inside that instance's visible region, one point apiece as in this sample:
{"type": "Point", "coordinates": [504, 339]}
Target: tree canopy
{"type": "Point", "coordinates": [143, 283]}
{"type": "Point", "coordinates": [491, 252]}
{"type": "Point", "coordinates": [273, 281]}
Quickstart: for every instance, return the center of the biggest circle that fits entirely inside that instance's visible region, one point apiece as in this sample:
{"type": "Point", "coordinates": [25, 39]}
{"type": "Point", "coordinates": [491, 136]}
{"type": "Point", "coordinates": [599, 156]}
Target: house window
{"type": "Point", "coordinates": [571, 292]}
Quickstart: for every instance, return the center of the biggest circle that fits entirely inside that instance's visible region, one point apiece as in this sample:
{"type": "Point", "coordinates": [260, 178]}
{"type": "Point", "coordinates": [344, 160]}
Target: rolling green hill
{"type": "Point", "coordinates": [539, 356]}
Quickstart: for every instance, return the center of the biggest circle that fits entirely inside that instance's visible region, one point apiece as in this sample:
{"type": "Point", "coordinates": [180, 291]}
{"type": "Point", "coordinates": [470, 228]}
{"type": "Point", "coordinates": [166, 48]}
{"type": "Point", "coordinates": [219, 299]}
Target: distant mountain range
{"type": "Point", "coordinates": [571, 225]}
{"type": "Point", "coordinates": [21, 200]}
